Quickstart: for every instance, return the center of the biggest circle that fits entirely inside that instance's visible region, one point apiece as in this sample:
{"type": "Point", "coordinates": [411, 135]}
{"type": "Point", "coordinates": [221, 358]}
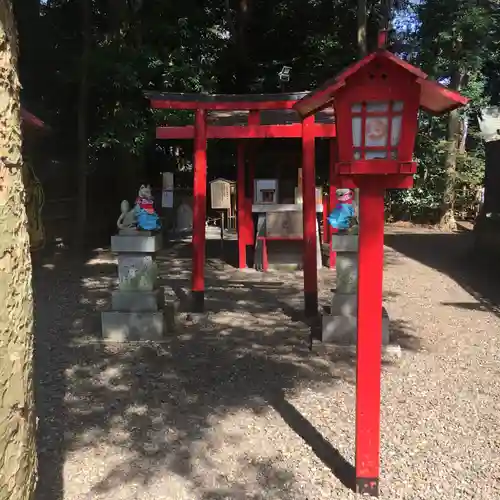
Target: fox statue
{"type": "Point", "coordinates": [343, 216]}
{"type": "Point", "coordinates": [143, 215]}
{"type": "Point", "coordinates": [147, 218]}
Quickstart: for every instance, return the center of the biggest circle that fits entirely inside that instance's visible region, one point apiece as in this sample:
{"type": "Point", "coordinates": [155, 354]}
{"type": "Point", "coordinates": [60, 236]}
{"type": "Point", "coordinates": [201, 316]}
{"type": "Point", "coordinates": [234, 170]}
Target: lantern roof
{"type": "Point", "coordinates": [434, 97]}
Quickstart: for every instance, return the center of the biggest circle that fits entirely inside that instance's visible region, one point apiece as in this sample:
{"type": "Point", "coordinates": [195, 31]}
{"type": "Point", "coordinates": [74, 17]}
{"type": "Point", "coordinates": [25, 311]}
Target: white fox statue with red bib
{"type": "Point", "coordinates": [142, 216]}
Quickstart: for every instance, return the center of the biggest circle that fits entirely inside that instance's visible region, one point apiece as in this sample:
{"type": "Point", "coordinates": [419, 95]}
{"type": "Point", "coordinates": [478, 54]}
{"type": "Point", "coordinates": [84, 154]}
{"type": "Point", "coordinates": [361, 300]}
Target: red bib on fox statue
{"type": "Point", "coordinates": [145, 204]}
{"type": "Point", "coordinates": [147, 218]}
{"type": "Point", "coordinates": [344, 196]}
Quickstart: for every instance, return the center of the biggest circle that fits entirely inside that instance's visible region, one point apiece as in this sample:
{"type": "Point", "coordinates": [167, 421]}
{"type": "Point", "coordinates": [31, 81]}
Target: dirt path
{"type": "Point", "coordinates": [236, 407]}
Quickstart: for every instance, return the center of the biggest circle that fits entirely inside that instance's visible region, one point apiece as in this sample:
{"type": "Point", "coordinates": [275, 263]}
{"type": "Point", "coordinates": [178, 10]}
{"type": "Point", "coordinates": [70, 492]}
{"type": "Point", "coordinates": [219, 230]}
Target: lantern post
{"type": "Point", "coordinates": [332, 256]}
{"type": "Point", "coordinates": [376, 103]}
{"type": "Point", "coordinates": [242, 205]}
{"type": "Point", "coordinates": [369, 338]}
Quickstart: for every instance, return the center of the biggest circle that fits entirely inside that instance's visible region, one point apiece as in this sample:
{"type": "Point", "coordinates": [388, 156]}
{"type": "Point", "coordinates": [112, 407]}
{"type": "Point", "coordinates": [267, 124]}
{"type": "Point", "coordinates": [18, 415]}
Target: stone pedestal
{"type": "Point", "coordinates": [340, 326]}
{"type": "Point", "coordinates": [137, 306]}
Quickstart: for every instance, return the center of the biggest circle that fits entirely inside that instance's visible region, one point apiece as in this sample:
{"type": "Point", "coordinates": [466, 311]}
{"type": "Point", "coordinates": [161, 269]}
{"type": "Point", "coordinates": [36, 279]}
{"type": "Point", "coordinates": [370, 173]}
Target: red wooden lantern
{"type": "Point", "coordinates": [376, 104]}
{"type": "Point", "coordinates": [376, 110]}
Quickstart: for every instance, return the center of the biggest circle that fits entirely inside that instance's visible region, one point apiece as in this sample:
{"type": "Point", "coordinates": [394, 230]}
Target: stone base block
{"type": "Point", "coordinates": [347, 272]}
{"type": "Point", "coordinates": [344, 304]}
{"type": "Point", "coordinates": [137, 272]}
{"type": "Point", "coordinates": [343, 329]}
{"type": "Point", "coordinates": [129, 326]}
{"type": "Point", "coordinates": [136, 301]}
{"type": "Point", "coordinates": [345, 242]}
{"type": "Point", "coordinates": [137, 243]}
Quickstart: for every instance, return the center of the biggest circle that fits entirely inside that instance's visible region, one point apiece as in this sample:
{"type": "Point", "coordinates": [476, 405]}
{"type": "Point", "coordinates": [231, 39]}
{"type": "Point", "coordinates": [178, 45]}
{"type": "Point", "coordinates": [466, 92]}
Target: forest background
{"type": "Point", "coordinates": [85, 64]}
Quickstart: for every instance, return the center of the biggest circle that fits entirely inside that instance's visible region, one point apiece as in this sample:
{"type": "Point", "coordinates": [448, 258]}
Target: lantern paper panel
{"type": "Point", "coordinates": [376, 128]}
{"type": "Point", "coordinates": [370, 129]}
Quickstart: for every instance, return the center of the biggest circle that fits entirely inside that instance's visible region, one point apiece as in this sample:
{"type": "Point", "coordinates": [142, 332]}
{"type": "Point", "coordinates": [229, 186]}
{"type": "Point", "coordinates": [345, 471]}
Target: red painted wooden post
{"type": "Point", "coordinates": [332, 199]}
{"type": "Point", "coordinates": [253, 120]}
{"type": "Point", "coordinates": [309, 218]}
{"type": "Point", "coordinates": [369, 342]}
{"type": "Point", "coordinates": [199, 210]}
{"type": "Point", "coordinates": [382, 39]}
{"type": "Point", "coordinates": [326, 232]}
{"type": "Point", "coordinates": [251, 178]}
{"type": "Point", "coordinates": [265, 260]}
{"type": "Point", "coordinates": [242, 207]}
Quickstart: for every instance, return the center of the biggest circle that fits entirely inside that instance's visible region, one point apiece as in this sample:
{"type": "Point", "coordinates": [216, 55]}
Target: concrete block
{"type": "Point", "coordinates": [137, 271]}
{"type": "Point", "coordinates": [118, 326]}
{"type": "Point", "coordinates": [136, 301]}
{"type": "Point", "coordinates": [343, 330]}
{"type": "Point", "coordinates": [345, 242]}
{"type": "Point", "coordinates": [344, 304]}
{"type": "Point", "coordinates": [138, 243]}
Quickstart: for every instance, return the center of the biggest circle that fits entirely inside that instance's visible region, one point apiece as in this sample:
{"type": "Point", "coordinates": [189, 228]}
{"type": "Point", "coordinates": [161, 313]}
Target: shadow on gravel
{"type": "Point", "coordinates": [343, 470]}
{"type": "Point", "coordinates": [452, 254]}
{"type": "Point", "coordinates": [157, 406]}
{"type": "Point", "coordinates": [403, 334]}
{"type": "Point", "coordinates": [472, 306]}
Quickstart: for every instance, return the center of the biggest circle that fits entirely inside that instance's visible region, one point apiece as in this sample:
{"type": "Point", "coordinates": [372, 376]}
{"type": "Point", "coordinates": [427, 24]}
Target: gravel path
{"type": "Point", "coordinates": [236, 407]}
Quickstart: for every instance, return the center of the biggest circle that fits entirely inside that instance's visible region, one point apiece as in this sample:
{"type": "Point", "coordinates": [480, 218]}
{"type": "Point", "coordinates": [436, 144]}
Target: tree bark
{"type": "Point", "coordinates": [18, 462]}
{"type": "Point", "coordinates": [242, 57]}
{"type": "Point", "coordinates": [361, 19]}
{"type": "Point", "coordinates": [82, 132]}
{"type": "Point", "coordinates": [447, 219]}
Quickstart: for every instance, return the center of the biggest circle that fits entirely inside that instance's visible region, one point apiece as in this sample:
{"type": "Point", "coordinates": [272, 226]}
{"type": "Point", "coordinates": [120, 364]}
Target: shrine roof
{"type": "Point", "coordinates": [204, 98]}
{"type": "Point", "coordinates": [233, 109]}
{"type": "Point", "coordinates": [434, 97]}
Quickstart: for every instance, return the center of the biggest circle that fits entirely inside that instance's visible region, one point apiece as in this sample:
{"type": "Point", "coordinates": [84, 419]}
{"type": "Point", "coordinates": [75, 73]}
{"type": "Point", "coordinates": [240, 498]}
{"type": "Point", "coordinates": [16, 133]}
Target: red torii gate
{"type": "Point", "coordinates": [240, 117]}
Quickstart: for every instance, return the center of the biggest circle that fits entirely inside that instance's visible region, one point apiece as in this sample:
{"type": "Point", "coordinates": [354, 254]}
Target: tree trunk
{"type": "Point", "coordinates": [18, 462]}
{"type": "Point", "coordinates": [82, 133]}
{"type": "Point", "coordinates": [447, 219]}
{"type": "Point", "coordinates": [242, 57]}
{"type": "Point", "coordinates": [361, 18]}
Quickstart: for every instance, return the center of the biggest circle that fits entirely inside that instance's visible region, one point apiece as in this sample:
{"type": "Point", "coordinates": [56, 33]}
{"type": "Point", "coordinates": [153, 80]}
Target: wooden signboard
{"type": "Point", "coordinates": [299, 200]}
{"type": "Point", "coordinates": [220, 194]}
{"type": "Point", "coordinates": [167, 181]}
{"type": "Point", "coordinates": [284, 224]}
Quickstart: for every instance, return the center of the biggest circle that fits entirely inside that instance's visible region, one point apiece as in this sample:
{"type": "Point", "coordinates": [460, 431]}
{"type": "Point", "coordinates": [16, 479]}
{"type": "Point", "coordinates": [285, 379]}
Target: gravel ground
{"type": "Point", "coordinates": [236, 407]}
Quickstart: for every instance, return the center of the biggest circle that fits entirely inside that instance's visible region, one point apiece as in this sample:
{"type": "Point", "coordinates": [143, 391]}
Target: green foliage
{"type": "Point", "coordinates": [453, 35]}
{"type": "Point", "coordinates": [450, 36]}
{"type": "Point", "coordinates": [216, 46]}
